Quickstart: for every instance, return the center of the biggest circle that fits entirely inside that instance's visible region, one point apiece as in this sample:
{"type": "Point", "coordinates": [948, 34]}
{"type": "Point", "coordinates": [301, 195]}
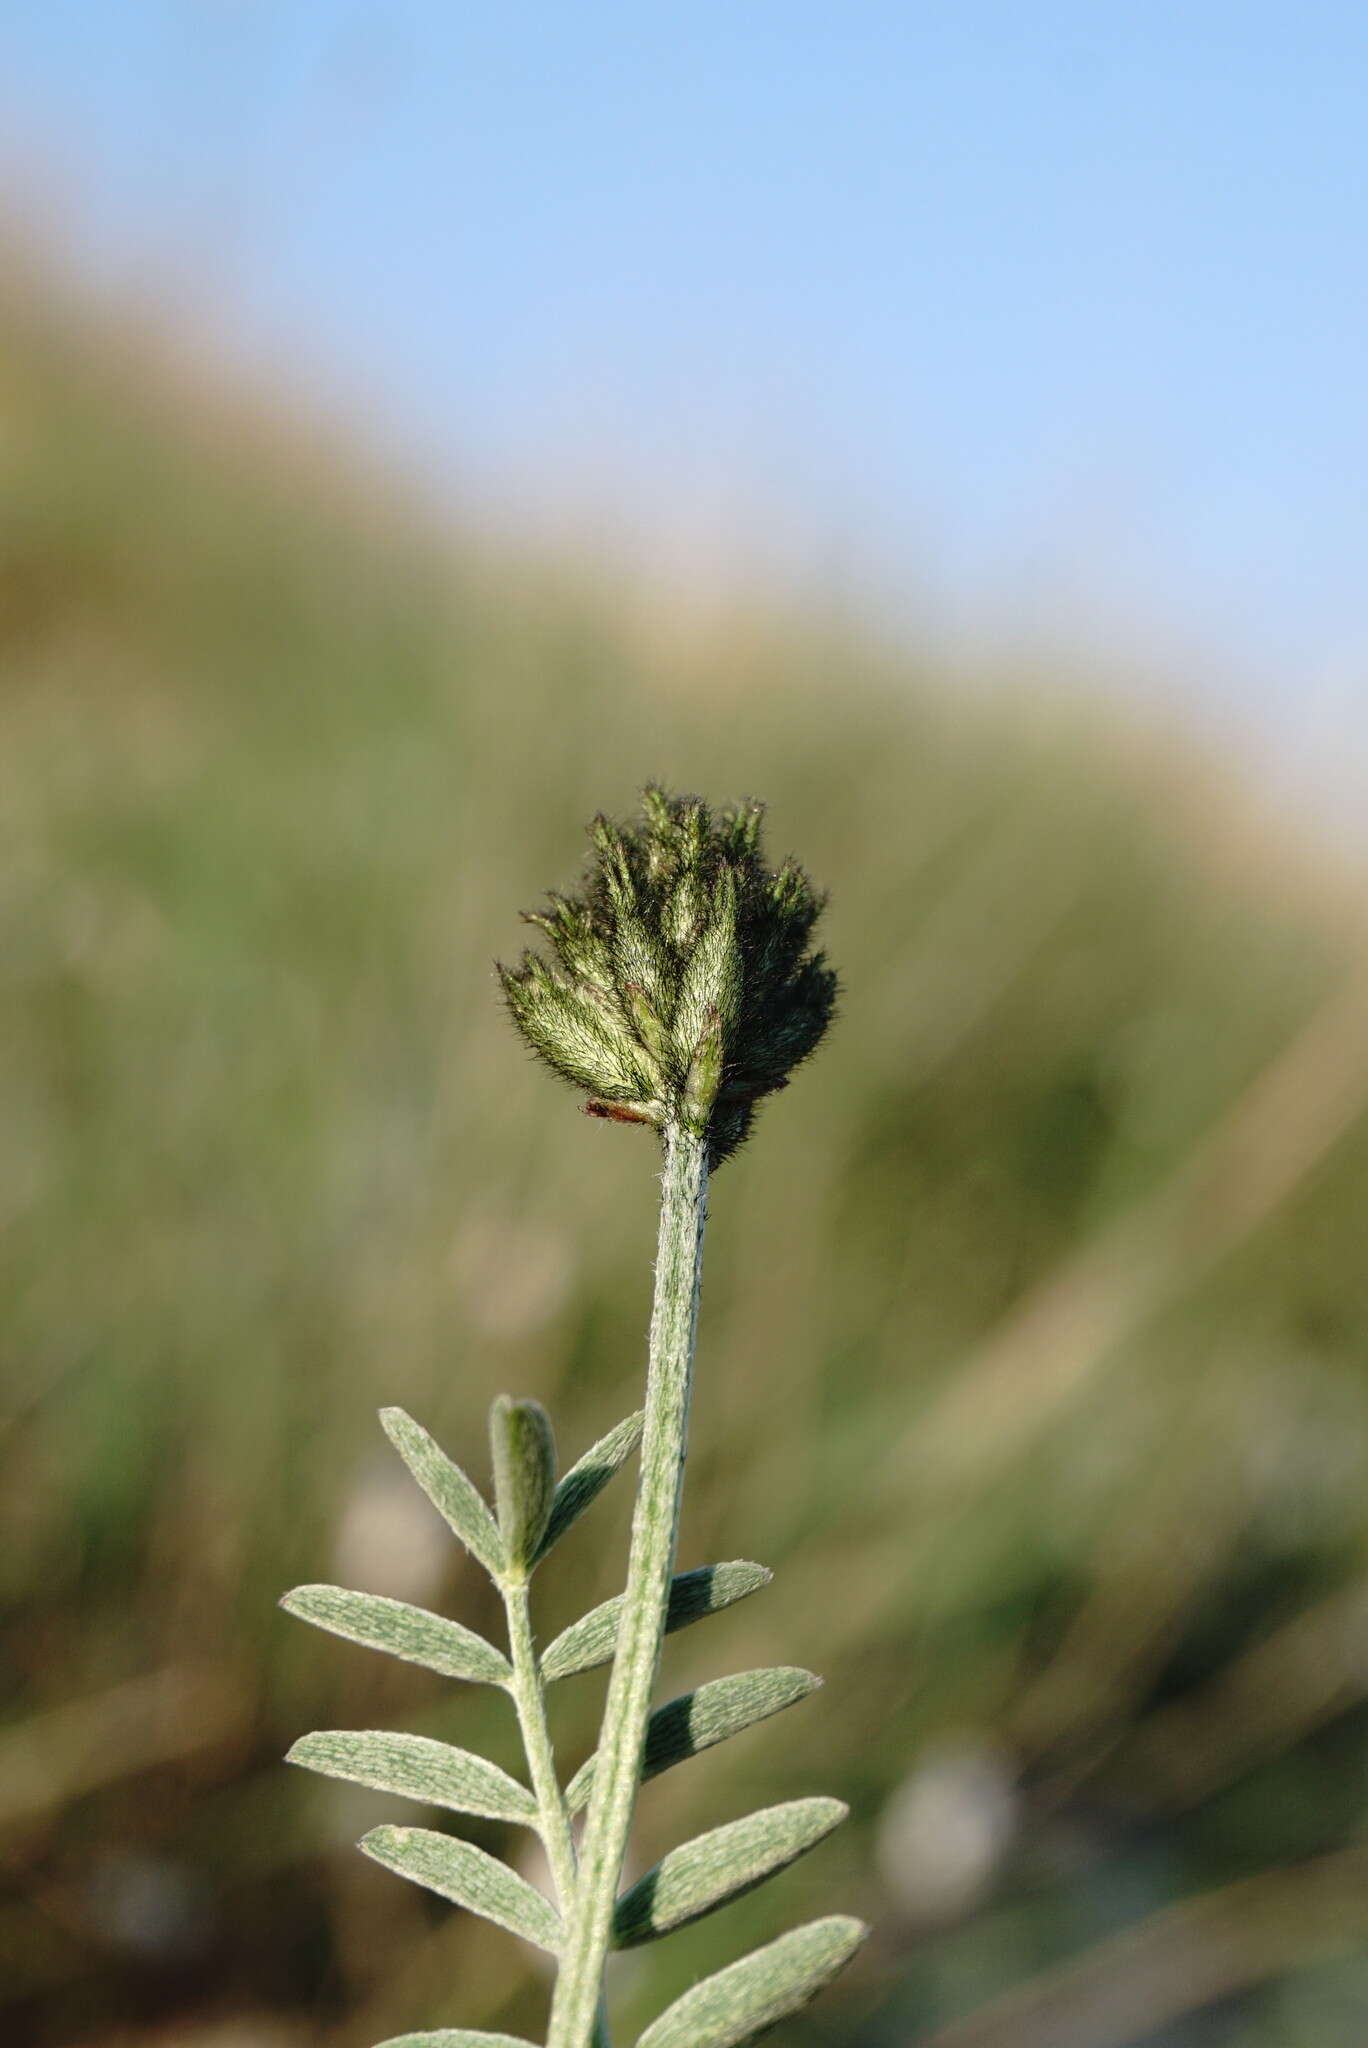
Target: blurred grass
{"type": "Point", "coordinates": [1046, 1282]}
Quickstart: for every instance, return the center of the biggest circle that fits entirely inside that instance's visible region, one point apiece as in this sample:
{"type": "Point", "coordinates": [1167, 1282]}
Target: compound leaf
{"type": "Point", "coordinates": [378, 1623]}
{"type": "Point", "coordinates": [739, 2002]}
{"type": "Point", "coordinates": [418, 1768]}
{"type": "Point", "coordinates": [592, 1639]}
{"type": "Point", "coordinates": [720, 1866]}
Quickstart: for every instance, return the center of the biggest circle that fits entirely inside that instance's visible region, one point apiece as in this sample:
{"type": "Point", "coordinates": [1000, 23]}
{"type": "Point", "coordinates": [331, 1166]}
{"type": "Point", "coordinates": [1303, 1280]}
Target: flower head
{"type": "Point", "coordinates": [680, 988]}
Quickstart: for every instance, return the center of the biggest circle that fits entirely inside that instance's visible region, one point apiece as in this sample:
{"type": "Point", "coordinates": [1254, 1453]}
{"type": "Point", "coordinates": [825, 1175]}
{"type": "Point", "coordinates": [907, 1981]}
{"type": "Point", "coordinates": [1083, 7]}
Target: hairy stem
{"type": "Point", "coordinates": [655, 1528]}
{"type": "Point", "coordinates": [536, 1739]}
{"type": "Point", "coordinates": [529, 1699]}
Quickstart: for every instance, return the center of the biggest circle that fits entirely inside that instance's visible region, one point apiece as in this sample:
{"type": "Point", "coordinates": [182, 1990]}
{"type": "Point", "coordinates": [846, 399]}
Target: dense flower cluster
{"type": "Point", "coordinates": [680, 988]}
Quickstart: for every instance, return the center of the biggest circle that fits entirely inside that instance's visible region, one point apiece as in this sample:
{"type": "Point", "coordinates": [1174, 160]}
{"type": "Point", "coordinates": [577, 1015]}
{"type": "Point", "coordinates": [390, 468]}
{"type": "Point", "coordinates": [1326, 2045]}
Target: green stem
{"type": "Point", "coordinates": [655, 1529]}
{"type": "Point", "coordinates": [529, 1699]}
{"type": "Point", "coordinates": [536, 1737]}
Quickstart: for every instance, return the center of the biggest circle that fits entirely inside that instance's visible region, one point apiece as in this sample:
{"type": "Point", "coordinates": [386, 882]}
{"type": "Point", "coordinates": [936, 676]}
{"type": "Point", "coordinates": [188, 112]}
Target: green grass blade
{"type": "Point", "coordinates": [446, 1486]}
{"type": "Point", "coordinates": [591, 1640]}
{"type": "Point", "coordinates": [584, 1482]}
{"type": "Point", "coordinates": [418, 1768]}
{"type": "Point", "coordinates": [741, 2001]}
{"type": "Point", "coordinates": [697, 1720]}
{"type": "Point", "coordinates": [458, 1871]}
{"type": "Point", "coordinates": [718, 1867]}
{"type": "Point", "coordinates": [412, 1633]}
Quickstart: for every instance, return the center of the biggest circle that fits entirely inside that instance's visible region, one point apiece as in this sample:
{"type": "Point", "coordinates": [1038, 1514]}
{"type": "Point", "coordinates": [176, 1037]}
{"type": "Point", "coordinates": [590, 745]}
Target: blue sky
{"type": "Point", "coordinates": [1052, 312]}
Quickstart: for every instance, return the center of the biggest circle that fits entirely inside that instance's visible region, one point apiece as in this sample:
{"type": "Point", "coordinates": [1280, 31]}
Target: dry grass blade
{"type": "Point", "coordinates": [1186, 1957]}
{"type": "Point", "coordinates": [1257, 1156]}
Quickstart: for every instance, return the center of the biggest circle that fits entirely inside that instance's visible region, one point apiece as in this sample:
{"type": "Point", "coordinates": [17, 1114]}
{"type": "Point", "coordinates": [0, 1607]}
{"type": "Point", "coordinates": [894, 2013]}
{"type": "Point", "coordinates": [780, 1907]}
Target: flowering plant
{"type": "Point", "coordinates": [681, 990]}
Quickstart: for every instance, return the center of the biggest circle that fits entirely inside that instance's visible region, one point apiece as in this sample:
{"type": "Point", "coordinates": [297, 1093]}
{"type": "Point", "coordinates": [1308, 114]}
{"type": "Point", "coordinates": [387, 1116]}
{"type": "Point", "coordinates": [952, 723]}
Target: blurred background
{"type": "Point", "coordinates": [418, 427]}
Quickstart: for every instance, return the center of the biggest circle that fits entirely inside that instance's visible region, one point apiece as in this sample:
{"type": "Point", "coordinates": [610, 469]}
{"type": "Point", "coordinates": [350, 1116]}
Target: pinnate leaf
{"type": "Point", "coordinates": [584, 1482]}
{"type": "Point", "coordinates": [720, 1866]}
{"type": "Point", "coordinates": [592, 1639]}
{"type": "Point", "coordinates": [418, 1768]}
{"type": "Point", "coordinates": [458, 1871]}
{"type": "Point", "coordinates": [697, 1720]}
{"type": "Point", "coordinates": [446, 1486]}
{"type": "Point", "coordinates": [524, 1474]}
{"type": "Point", "coordinates": [739, 2002]}
{"type": "Point", "coordinates": [378, 1623]}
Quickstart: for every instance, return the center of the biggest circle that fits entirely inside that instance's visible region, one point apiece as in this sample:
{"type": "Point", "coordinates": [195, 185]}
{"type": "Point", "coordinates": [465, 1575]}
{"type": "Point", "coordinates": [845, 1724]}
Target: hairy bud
{"type": "Point", "coordinates": [680, 989]}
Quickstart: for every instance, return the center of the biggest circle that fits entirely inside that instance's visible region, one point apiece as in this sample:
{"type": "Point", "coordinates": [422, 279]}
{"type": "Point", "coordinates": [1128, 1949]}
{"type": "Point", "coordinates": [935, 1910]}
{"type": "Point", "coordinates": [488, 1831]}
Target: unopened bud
{"type": "Point", "coordinates": [681, 989]}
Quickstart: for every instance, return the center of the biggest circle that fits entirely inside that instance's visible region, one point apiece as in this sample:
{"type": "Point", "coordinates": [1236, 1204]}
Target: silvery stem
{"type": "Point", "coordinates": [655, 1529]}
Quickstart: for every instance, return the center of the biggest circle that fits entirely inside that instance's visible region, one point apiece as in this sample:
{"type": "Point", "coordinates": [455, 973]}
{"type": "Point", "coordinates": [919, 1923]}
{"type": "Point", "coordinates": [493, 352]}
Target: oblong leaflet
{"type": "Point", "coordinates": [739, 2002]}
{"type": "Point", "coordinates": [697, 1720]}
{"type": "Point", "coordinates": [458, 1871]}
{"type": "Point", "coordinates": [592, 1639]}
{"type": "Point", "coordinates": [418, 1768]}
{"type": "Point", "coordinates": [378, 1623]}
{"type": "Point", "coordinates": [718, 1867]}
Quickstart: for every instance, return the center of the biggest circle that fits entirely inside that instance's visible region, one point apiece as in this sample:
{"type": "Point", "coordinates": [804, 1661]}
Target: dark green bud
{"type": "Point", "coordinates": [681, 988]}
